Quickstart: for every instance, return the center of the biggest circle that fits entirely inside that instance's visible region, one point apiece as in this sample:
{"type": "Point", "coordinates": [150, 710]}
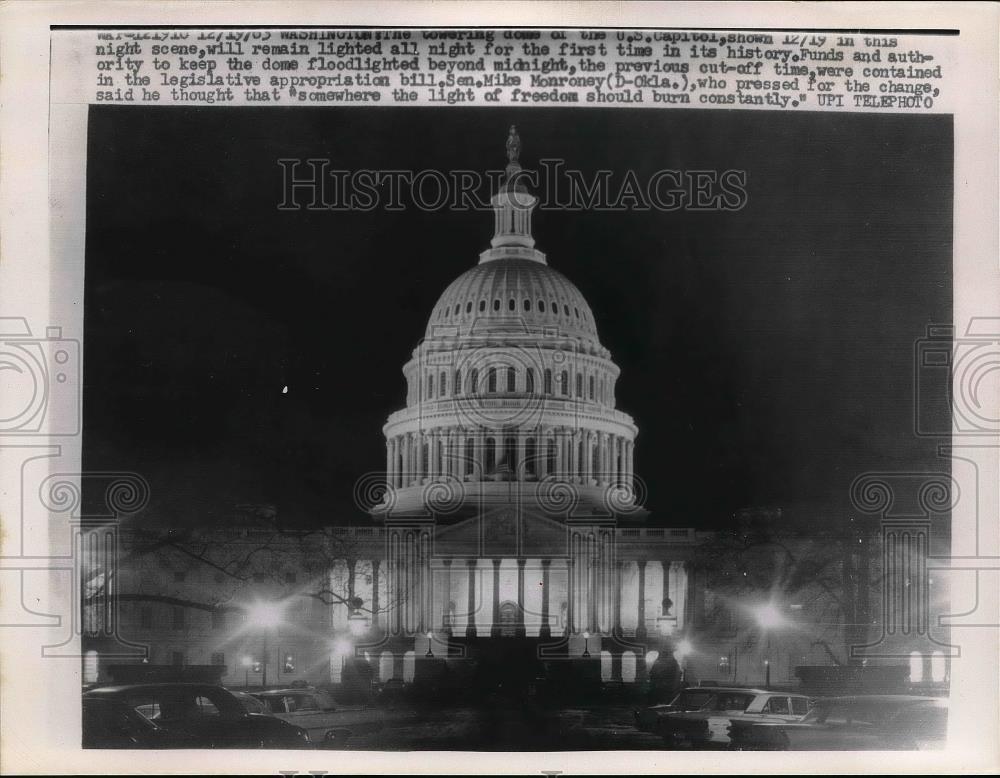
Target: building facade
{"type": "Point", "coordinates": [509, 521]}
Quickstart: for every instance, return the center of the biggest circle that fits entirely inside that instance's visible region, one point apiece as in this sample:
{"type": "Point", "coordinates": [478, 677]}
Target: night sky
{"type": "Point", "coordinates": [766, 354]}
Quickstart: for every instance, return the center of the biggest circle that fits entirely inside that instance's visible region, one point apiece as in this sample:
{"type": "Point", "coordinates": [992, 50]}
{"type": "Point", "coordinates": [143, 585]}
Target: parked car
{"type": "Point", "coordinates": [180, 715]}
{"type": "Point", "coordinates": [316, 712]}
{"type": "Point", "coordinates": [250, 703]}
{"type": "Point", "coordinates": [863, 722]}
{"type": "Point", "coordinates": [648, 719]}
{"type": "Point", "coordinates": [709, 726]}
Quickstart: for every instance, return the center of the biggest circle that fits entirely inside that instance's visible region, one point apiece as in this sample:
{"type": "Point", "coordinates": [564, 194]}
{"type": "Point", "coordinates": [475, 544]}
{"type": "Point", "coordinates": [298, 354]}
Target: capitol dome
{"type": "Point", "coordinates": [510, 383]}
{"type": "Point", "coordinates": [492, 294]}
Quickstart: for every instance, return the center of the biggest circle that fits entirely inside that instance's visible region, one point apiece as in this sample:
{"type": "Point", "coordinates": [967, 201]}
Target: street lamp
{"type": "Point", "coordinates": [430, 645]}
{"type": "Point", "coordinates": [246, 661]}
{"type": "Point", "coordinates": [683, 650]}
{"type": "Point", "coordinates": [769, 618]}
{"type": "Point", "coordinates": [586, 645]}
{"type": "Point", "coordinates": [264, 616]}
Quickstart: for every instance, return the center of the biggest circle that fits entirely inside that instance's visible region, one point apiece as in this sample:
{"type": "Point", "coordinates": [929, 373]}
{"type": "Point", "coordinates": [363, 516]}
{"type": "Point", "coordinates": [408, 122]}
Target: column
{"type": "Point", "coordinates": [603, 458]}
{"type": "Point", "coordinates": [418, 442]}
{"type": "Point", "coordinates": [546, 630]}
{"type": "Point", "coordinates": [375, 602]}
{"type": "Point", "coordinates": [640, 630]}
{"type": "Point", "coordinates": [495, 621]}
{"type": "Point", "coordinates": [397, 569]}
{"type": "Point", "coordinates": [426, 583]}
{"type": "Point", "coordinates": [520, 632]}
{"type": "Point", "coordinates": [619, 572]}
{"type": "Point", "coordinates": [667, 570]}
{"type": "Point", "coordinates": [573, 444]}
{"type": "Point", "coordinates": [629, 464]}
{"type": "Point", "coordinates": [497, 448]}
{"type": "Point", "coordinates": [587, 469]}
{"type": "Point", "coordinates": [388, 463]}
{"type": "Point", "coordinates": [592, 569]}
{"type": "Point", "coordinates": [433, 438]}
{"type": "Point", "coordinates": [570, 593]}
{"type": "Point", "coordinates": [470, 628]}
{"type": "Point", "coordinates": [405, 475]}
{"type": "Point", "coordinates": [446, 612]}
{"type": "Point", "coordinates": [557, 436]}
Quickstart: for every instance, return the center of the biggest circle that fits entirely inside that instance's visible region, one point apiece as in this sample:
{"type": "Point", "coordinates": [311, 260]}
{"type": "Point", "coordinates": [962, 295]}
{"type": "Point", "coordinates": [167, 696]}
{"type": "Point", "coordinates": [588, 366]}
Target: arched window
{"type": "Point", "coordinates": [529, 380]}
{"type": "Point", "coordinates": [527, 305]}
{"type": "Point", "coordinates": [491, 380]}
{"type": "Point", "coordinates": [91, 667]}
{"type": "Point", "coordinates": [385, 663]}
{"type": "Point", "coordinates": [605, 665]}
{"type": "Point", "coordinates": [474, 380]}
{"type": "Point", "coordinates": [490, 460]}
{"type": "Point", "coordinates": [547, 388]}
{"type": "Point", "coordinates": [938, 667]}
{"type": "Point", "coordinates": [579, 384]}
{"type": "Point", "coordinates": [458, 307]}
{"type": "Point", "coordinates": [468, 307]}
{"type": "Point", "coordinates": [591, 387]}
{"type": "Point", "coordinates": [457, 386]}
{"type": "Point", "coordinates": [916, 667]}
{"type": "Point", "coordinates": [511, 305]}
{"type": "Point", "coordinates": [564, 381]}
{"type": "Point", "coordinates": [566, 309]}
{"type": "Point", "coordinates": [443, 384]}
{"type": "Point", "coordinates": [510, 452]}
{"type": "Point", "coordinates": [575, 310]}
{"type": "Point", "coordinates": [470, 458]}
{"type": "Point", "coordinates": [541, 306]}
{"type": "Point", "coordinates": [430, 387]}
{"type": "Point", "coordinates": [482, 306]}
{"type": "Point", "coordinates": [529, 456]}
{"type": "Point", "coordinates": [511, 379]}
{"type": "Point", "coordinates": [628, 667]}
{"type": "Point", "coordinates": [555, 307]}
{"type": "Point", "coordinates": [496, 305]}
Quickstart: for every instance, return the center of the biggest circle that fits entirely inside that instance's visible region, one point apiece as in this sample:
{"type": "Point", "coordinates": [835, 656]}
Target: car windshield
{"type": "Point", "coordinates": [692, 699]}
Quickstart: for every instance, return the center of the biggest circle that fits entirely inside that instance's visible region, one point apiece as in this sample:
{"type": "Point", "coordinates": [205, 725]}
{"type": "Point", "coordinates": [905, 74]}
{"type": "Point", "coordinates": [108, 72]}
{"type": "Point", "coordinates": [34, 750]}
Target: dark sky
{"type": "Point", "coordinates": [766, 354]}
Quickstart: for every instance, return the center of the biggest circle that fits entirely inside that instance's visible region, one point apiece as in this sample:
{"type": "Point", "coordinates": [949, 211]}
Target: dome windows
{"type": "Point", "coordinates": [547, 388]}
{"type": "Point", "coordinates": [468, 307]}
{"type": "Point", "coordinates": [541, 306]}
{"type": "Point", "coordinates": [511, 305]}
{"type": "Point", "coordinates": [566, 309]}
{"type": "Point", "coordinates": [482, 306]}
{"type": "Point", "coordinates": [458, 308]}
{"type": "Point", "coordinates": [527, 305]}
{"type": "Point", "coordinates": [496, 305]}
{"type": "Point", "coordinates": [511, 378]}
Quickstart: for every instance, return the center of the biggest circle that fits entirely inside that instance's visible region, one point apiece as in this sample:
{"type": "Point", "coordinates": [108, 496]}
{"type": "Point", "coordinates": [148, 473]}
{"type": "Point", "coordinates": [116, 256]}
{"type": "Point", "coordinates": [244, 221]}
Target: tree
{"type": "Point", "coordinates": [826, 573]}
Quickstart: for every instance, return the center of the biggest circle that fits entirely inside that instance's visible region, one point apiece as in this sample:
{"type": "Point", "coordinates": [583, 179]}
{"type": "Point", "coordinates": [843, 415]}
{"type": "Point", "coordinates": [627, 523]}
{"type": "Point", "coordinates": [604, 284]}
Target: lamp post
{"type": "Point", "coordinates": [430, 645]}
{"type": "Point", "coordinates": [586, 645]}
{"type": "Point", "coordinates": [769, 618]}
{"type": "Point", "coordinates": [265, 616]}
{"type": "Point", "coordinates": [246, 661]}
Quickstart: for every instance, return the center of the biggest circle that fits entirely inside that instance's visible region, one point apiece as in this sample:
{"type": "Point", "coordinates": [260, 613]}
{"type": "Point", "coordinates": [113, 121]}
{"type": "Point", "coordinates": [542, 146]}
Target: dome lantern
{"type": "Point", "coordinates": [512, 207]}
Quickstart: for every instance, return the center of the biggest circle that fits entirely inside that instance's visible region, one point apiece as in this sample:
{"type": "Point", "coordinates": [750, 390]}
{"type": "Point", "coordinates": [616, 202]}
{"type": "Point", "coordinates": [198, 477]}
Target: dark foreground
{"type": "Point", "coordinates": [506, 727]}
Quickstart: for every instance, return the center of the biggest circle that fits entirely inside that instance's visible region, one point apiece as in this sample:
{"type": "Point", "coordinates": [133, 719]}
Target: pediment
{"type": "Point", "coordinates": [504, 531]}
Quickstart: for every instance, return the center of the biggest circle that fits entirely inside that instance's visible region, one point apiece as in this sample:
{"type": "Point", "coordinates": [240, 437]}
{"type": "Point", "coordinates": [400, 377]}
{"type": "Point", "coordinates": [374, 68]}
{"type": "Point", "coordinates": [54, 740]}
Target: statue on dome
{"type": "Point", "coordinates": [513, 144]}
